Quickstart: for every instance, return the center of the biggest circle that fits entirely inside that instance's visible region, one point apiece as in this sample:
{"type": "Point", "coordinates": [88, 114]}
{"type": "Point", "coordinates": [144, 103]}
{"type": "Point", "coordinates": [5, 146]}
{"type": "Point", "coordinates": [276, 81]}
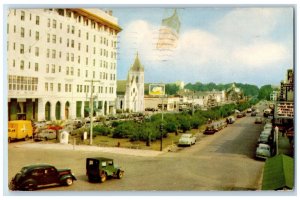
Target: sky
{"type": "Point", "coordinates": [220, 44]}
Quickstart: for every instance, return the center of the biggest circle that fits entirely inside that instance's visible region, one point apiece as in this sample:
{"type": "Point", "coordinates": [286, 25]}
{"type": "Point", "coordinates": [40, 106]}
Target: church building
{"type": "Point", "coordinates": [130, 92]}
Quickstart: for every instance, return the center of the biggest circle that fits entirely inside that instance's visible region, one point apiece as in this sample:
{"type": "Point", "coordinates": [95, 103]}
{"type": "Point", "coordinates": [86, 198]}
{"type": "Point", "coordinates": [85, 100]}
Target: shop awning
{"type": "Point", "coordinates": [278, 173]}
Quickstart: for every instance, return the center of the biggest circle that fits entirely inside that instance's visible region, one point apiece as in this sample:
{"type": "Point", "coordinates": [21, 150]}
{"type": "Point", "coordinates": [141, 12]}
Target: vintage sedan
{"type": "Point", "coordinates": [32, 177]}
{"type": "Point", "coordinates": [258, 120]}
{"type": "Point", "coordinates": [263, 151]}
{"type": "Point", "coordinates": [46, 134]}
{"type": "Point", "coordinates": [187, 140]}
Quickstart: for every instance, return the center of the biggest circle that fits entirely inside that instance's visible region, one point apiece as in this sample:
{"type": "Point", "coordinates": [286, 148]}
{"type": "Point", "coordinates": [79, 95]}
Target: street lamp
{"type": "Point", "coordinates": [91, 110]}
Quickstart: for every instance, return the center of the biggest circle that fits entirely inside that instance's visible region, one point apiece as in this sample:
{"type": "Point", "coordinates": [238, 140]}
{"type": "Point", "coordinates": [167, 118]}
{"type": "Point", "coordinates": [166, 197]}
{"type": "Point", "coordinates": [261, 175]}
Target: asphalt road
{"type": "Point", "coordinates": [220, 162]}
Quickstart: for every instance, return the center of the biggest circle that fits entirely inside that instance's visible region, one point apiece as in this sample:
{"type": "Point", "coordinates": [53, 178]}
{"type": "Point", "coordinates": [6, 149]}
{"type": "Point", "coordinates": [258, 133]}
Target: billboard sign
{"type": "Point", "coordinates": [157, 89]}
{"type": "Point", "coordinates": [284, 110]}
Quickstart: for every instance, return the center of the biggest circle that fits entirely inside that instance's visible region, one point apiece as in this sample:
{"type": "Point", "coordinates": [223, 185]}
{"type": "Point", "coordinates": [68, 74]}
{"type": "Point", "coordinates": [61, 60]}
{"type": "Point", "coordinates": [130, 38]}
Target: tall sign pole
{"type": "Point", "coordinates": [91, 109]}
{"type": "Point", "coordinates": [159, 90]}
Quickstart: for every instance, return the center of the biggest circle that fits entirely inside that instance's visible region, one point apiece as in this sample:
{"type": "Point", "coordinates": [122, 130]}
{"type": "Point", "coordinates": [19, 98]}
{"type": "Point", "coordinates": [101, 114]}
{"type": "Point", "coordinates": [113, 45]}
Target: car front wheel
{"type": "Point", "coordinates": [69, 181]}
{"type": "Point", "coordinates": [119, 174]}
{"type": "Point", "coordinates": [103, 178]}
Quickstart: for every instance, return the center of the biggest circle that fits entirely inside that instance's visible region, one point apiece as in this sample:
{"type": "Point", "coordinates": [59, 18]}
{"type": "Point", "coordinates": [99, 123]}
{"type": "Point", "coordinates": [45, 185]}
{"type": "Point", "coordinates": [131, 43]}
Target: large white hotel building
{"type": "Point", "coordinates": [52, 56]}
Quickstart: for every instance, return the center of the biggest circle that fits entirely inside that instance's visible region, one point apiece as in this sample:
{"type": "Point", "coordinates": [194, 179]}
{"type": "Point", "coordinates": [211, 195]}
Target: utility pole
{"type": "Point", "coordinates": [91, 109]}
{"type": "Point", "coordinates": [162, 125]}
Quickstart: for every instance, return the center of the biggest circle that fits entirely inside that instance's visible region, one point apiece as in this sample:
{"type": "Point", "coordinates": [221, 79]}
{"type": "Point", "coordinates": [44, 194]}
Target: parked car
{"type": "Point", "coordinates": [99, 169]}
{"type": "Point", "coordinates": [230, 120]}
{"type": "Point", "coordinates": [46, 134]}
{"type": "Point", "coordinates": [187, 139]}
{"type": "Point", "coordinates": [32, 177]}
{"type": "Point", "coordinates": [265, 139]}
{"type": "Point", "coordinates": [258, 120]}
{"type": "Point", "coordinates": [263, 151]}
{"type": "Point", "coordinates": [253, 113]}
{"type": "Point", "coordinates": [249, 110]}
{"type": "Point", "coordinates": [209, 130]}
{"type": "Point", "coordinates": [240, 115]}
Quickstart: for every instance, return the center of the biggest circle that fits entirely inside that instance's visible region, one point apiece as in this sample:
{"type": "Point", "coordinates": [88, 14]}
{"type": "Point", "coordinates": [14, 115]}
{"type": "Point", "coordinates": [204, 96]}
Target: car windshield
{"type": "Point", "coordinates": [264, 148]}
{"type": "Point", "coordinates": [185, 136]}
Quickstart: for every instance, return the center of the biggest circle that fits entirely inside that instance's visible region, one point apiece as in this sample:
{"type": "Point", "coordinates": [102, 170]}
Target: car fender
{"type": "Point", "coordinates": [27, 182]}
{"type": "Point", "coordinates": [64, 177]}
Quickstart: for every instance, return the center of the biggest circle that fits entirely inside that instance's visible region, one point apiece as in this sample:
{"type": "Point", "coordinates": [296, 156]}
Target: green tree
{"type": "Point", "coordinates": [264, 92]}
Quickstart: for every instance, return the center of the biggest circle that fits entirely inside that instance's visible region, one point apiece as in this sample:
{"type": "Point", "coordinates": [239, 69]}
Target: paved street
{"type": "Point", "coordinates": [224, 161]}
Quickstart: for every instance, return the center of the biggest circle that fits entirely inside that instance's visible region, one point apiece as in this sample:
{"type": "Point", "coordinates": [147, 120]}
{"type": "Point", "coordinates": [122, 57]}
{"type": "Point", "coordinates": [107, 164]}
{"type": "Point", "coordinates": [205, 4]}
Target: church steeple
{"type": "Point", "coordinates": [137, 66]}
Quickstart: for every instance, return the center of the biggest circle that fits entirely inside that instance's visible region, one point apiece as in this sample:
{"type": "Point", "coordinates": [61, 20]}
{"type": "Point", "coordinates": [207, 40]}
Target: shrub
{"type": "Point", "coordinates": [101, 130]}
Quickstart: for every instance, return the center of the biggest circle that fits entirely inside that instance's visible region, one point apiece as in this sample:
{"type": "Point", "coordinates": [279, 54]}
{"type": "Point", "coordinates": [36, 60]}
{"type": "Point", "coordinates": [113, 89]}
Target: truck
{"type": "Point", "coordinates": [19, 129]}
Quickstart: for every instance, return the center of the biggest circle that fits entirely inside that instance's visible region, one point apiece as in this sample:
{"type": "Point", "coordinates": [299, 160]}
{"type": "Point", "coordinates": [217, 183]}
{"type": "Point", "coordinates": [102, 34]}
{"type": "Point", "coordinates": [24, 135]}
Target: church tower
{"type": "Point", "coordinates": [134, 96]}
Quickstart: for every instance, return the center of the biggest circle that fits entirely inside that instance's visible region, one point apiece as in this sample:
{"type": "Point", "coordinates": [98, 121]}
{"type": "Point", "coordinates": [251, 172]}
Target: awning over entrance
{"type": "Point", "coordinates": [278, 173]}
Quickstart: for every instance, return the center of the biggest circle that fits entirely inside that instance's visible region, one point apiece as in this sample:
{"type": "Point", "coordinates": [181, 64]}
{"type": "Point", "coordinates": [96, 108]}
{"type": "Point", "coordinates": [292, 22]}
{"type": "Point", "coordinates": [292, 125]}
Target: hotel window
{"type": "Point", "coordinates": [14, 63]}
{"type": "Point", "coordinates": [87, 35]}
{"type": "Point", "coordinates": [22, 32]}
{"type": "Point", "coordinates": [54, 24]}
{"type": "Point", "coordinates": [54, 39]}
{"type": "Point", "coordinates": [58, 87]}
{"type": "Point", "coordinates": [36, 51]}
{"type": "Point", "coordinates": [48, 53]}
{"type": "Point", "coordinates": [47, 68]}
{"type": "Point", "coordinates": [60, 40]}
{"type": "Point", "coordinates": [46, 86]}
{"type": "Point", "coordinates": [48, 37]}
{"type": "Point", "coordinates": [77, 88]}
{"type": "Point", "coordinates": [78, 72]}
{"type": "Point", "coordinates": [94, 38]}
{"type": "Point", "coordinates": [37, 20]}
{"type": "Point", "coordinates": [78, 60]}
{"type": "Point", "coordinates": [93, 74]}
{"type": "Point", "coordinates": [73, 30]}
{"type": "Point", "coordinates": [59, 68]}
{"type": "Point", "coordinates": [72, 71]}
{"type": "Point", "coordinates": [15, 28]}
{"type": "Point", "coordinates": [79, 33]}
{"type": "Point", "coordinates": [53, 54]}
{"type": "Point", "coordinates": [72, 57]}
{"type": "Point", "coordinates": [68, 29]}
{"type": "Point", "coordinates": [94, 62]}
{"type": "Point", "coordinates": [49, 22]}
{"type": "Point", "coordinates": [21, 48]}
{"type": "Point", "coordinates": [37, 35]}
{"type": "Point", "coordinates": [66, 87]}
{"type": "Point", "coordinates": [78, 46]}
{"type": "Point", "coordinates": [80, 88]}
{"type": "Point", "coordinates": [100, 75]}
{"type": "Point", "coordinates": [59, 54]}
{"type": "Point", "coordinates": [87, 48]}
{"type": "Point", "coordinates": [51, 86]}
{"type": "Point", "coordinates": [86, 61]}
{"type": "Point", "coordinates": [70, 88]}
{"type": "Point", "coordinates": [53, 69]}
{"type": "Point", "coordinates": [72, 43]}
{"type": "Point", "coordinates": [67, 71]}
{"type": "Point", "coordinates": [68, 57]}
{"type": "Point", "coordinates": [68, 43]}
{"type": "Point", "coordinates": [86, 73]}
{"type": "Point", "coordinates": [22, 64]}
{"type": "Point", "coordinates": [22, 15]}
{"type": "Point", "coordinates": [36, 67]}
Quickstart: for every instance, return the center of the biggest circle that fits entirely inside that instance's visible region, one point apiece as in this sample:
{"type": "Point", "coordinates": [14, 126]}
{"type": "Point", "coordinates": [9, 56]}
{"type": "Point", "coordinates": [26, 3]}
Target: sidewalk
{"type": "Point", "coordinates": [284, 146]}
{"type": "Point", "coordinates": [70, 147]}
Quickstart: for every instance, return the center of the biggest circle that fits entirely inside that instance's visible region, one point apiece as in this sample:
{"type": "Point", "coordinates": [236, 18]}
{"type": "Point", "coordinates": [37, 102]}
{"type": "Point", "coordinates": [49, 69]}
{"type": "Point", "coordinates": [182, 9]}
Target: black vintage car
{"type": "Point", "coordinates": [98, 169]}
{"type": "Point", "coordinates": [32, 177]}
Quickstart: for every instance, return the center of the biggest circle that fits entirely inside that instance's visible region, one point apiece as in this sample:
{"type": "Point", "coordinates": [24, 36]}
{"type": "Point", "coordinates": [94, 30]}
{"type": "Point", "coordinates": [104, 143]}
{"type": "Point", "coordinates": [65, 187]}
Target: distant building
{"type": "Point", "coordinates": [52, 53]}
{"type": "Point", "coordinates": [131, 92]}
{"type": "Point", "coordinates": [234, 93]}
{"type": "Point", "coordinates": [180, 84]}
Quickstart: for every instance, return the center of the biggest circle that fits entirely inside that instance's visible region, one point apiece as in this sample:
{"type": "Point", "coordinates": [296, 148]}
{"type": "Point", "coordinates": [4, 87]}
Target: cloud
{"type": "Point", "coordinates": [241, 42]}
{"type": "Point", "coordinates": [260, 54]}
{"type": "Point", "coordinates": [244, 24]}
